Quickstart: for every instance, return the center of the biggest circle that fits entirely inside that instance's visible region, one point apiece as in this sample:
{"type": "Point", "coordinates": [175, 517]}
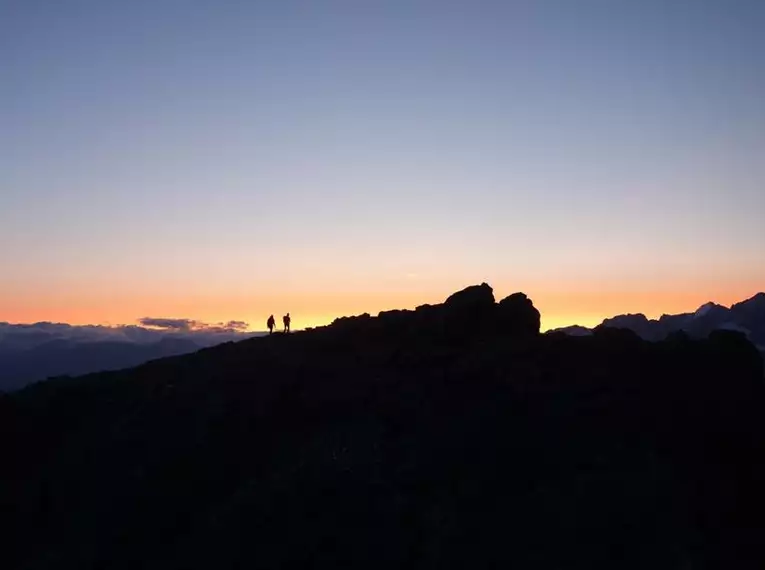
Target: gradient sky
{"type": "Point", "coordinates": [227, 159]}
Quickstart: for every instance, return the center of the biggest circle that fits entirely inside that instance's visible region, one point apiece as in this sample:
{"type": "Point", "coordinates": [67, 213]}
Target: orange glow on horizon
{"type": "Point", "coordinates": [578, 304]}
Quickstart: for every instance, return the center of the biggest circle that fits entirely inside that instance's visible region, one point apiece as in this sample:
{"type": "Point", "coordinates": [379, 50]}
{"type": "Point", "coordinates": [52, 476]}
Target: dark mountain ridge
{"type": "Point", "coordinates": [451, 436]}
{"type": "Point", "coordinates": [747, 317]}
{"type": "Point", "coordinates": [69, 358]}
{"type": "Point", "coordinates": [34, 352]}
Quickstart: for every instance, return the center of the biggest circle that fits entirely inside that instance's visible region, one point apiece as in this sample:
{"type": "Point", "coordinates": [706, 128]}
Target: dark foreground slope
{"type": "Point", "coordinates": [405, 441]}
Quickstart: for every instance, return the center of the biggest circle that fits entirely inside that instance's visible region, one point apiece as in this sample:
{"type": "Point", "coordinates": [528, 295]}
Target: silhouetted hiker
{"type": "Point", "coordinates": [286, 320]}
{"type": "Point", "coordinates": [271, 323]}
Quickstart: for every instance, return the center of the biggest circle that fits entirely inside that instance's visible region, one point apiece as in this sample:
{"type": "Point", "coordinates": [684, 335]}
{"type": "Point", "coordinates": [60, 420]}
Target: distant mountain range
{"type": "Point", "coordinates": [32, 352]}
{"type": "Point", "coordinates": [747, 317]}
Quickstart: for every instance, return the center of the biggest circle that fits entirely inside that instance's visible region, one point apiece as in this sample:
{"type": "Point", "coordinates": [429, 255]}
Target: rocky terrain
{"type": "Point", "coordinates": [451, 436]}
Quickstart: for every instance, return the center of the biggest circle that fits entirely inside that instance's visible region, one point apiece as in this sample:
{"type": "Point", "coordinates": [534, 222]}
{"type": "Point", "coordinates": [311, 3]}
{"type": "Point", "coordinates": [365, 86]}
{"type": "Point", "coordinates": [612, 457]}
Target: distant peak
{"type": "Point", "coordinates": [706, 308]}
{"type": "Point", "coordinates": [628, 317]}
{"type": "Point", "coordinates": [755, 302]}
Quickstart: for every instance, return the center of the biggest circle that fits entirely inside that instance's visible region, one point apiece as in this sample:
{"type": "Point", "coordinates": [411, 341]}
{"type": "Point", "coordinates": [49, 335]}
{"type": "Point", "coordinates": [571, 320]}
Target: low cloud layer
{"type": "Point", "coordinates": [31, 352]}
{"type": "Point", "coordinates": [169, 324]}
{"type": "Point", "coordinates": [192, 325]}
{"type": "Point", "coordinates": [149, 330]}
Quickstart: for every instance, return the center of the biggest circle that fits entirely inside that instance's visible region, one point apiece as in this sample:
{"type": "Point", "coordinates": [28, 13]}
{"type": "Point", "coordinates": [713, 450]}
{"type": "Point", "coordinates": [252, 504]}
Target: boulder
{"type": "Point", "coordinates": [469, 312]}
{"type": "Point", "coordinates": [475, 297]}
{"type": "Point", "coordinates": [517, 315]}
{"type": "Point", "coordinates": [395, 321]}
{"type": "Point", "coordinates": [351, 323]}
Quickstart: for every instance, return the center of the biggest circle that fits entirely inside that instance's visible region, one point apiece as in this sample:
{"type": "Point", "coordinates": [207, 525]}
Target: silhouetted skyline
{"type": "Point", "coordinates": [226, 160]}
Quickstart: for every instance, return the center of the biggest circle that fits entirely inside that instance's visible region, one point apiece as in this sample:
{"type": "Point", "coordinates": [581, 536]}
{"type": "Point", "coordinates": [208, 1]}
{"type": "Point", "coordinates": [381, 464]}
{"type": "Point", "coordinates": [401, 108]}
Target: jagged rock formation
{"type": "Point", "coordinates": [750, 315]}
{"type": "Point", "coordinates": [747, 317]}
{"type": "Point", "coordinates": [469, 313]}
{"type": "Point", "coordinates": [451, 436]}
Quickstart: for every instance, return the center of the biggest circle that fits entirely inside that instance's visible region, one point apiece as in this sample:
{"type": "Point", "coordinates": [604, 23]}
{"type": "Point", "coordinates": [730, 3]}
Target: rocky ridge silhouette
{"type": "Point", "coordinates": [747, 317]}
{"type": "Point", "coordinates": [450, 436]}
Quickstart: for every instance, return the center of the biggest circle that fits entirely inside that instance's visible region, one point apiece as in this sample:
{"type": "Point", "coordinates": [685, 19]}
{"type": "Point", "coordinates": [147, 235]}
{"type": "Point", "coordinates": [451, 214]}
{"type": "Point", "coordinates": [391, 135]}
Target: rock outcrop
{"type": "Point", "coordinates": [470, 313]}
{"type": "Point", "coordinates": [517, 316]}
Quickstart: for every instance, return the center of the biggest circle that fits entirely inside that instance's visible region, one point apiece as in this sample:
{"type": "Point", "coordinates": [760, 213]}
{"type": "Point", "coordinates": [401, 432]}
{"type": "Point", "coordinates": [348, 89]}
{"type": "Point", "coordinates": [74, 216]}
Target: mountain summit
{"type": "Point", "coordinates": [708, 309]}
{"type": "Point", "coordinates": [449, 436]}
{"type": "Point", "coordinates": [747, 317]}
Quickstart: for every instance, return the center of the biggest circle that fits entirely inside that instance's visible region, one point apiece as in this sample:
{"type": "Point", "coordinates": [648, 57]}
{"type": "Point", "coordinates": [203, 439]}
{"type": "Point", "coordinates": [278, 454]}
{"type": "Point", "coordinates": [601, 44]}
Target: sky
{"type": "Point", "coordinates": [224, 160]}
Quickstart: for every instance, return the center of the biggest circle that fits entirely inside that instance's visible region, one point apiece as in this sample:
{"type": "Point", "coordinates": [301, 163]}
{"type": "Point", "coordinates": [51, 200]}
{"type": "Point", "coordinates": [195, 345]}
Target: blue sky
{"type": "Point", "coordinates": [283, 150]}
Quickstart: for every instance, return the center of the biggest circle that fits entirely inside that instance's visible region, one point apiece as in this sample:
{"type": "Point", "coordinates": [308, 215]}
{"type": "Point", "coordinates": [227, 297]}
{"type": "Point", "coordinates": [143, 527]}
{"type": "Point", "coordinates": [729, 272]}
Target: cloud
{"type": "Point", "coordinates": [237, 325]}
{"type": "Point", "coordinates": [191, 325]}
{"type": "Point", "coordinates": [35, 351]}
{"type": "Point", "coordinates": [170, 324]}
{"type": "Point", "coordinates": [149, 330]}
